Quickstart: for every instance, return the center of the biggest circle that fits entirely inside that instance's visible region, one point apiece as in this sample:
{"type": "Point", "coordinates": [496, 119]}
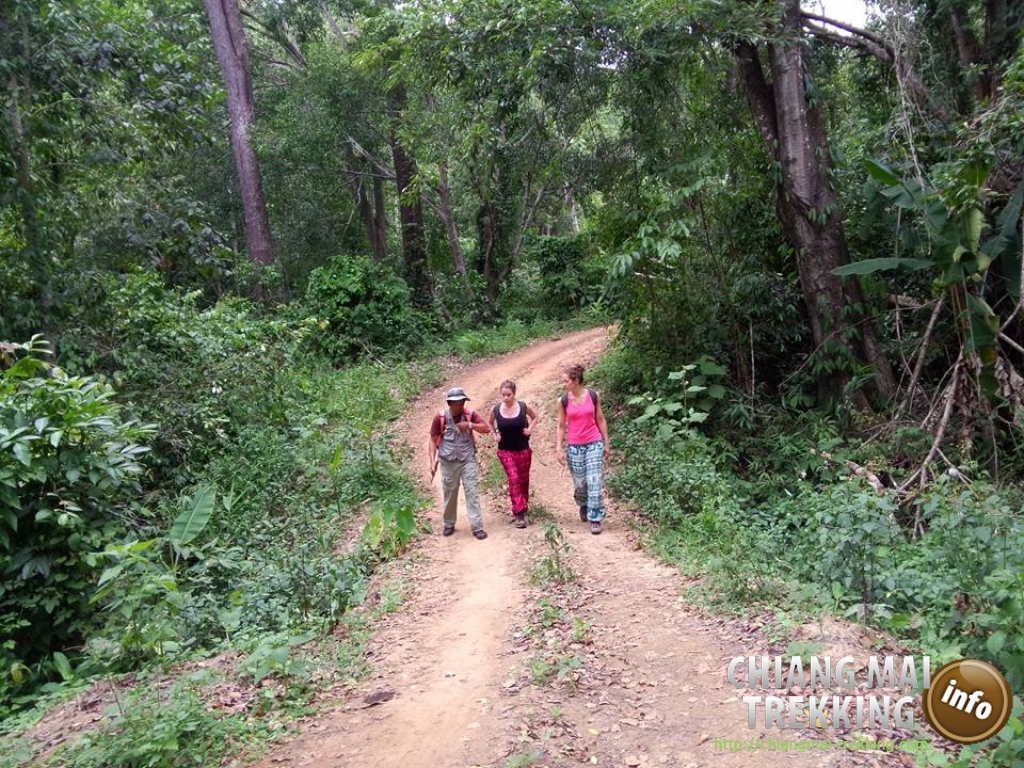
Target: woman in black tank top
{"type": "Point", "coordinates": [512, 421]}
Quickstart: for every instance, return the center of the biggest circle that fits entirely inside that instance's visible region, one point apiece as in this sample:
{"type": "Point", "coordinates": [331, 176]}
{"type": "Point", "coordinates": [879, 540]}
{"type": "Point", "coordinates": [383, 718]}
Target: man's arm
{"type": "Point", "coordinates": [477, 424]}
{"type": "Point", "coordinates": [435, 439]}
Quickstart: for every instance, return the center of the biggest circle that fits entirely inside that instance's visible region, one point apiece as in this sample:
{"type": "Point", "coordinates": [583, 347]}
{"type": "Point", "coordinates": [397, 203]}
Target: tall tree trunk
{"type": "Point", "coordinates": [806, 204]}
{"type": "Point", "coordinates": [23, 170]}
{"type": "Point", "coordinates": [410, 210]}
{"type": "Point", "coordinates": [496, 222]}
{"type": "Point", "coordinates": [229, 45]}
{"type": "Point", "coordinates": [17, 45]}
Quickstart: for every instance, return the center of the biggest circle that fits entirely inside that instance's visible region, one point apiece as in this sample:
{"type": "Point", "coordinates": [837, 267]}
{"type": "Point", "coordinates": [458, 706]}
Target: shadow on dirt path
{"type": "Point", "coordinates": [469, 675]}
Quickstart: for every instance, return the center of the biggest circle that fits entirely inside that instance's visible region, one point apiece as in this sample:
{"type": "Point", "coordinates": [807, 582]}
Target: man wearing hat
{"type": "Point", "coordinates": [453, 447]}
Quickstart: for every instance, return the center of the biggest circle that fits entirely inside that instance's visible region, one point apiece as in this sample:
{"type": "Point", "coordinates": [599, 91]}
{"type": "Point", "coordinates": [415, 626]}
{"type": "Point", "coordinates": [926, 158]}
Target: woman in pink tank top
{"type": "Point", "coordinates": [582, 443]}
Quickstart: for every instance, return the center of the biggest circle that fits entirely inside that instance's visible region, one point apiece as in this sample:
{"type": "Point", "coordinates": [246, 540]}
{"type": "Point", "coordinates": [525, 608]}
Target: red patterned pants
{"type": "Point", "coordinates": [517, 467]}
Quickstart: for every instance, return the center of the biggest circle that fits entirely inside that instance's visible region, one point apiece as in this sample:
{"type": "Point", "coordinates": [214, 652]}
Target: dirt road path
{"type": "Point", "coordinates": [486, 670]}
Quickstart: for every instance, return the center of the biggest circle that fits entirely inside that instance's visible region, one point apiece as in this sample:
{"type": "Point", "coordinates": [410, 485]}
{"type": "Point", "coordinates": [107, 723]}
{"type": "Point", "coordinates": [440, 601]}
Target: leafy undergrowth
{"type": "Point", "coordinates": [788, 519]}
{"type": "Point", "coordinates": [226, 585]}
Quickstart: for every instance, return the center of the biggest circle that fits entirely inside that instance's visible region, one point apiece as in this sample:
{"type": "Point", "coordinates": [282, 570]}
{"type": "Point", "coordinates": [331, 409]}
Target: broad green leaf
{"type": "Point", "coordinates": [979, 306]}
{"type": "Point", "coordinates": [194, 519]}
{"type": "Point", "coordinates": [109, 574]}
{"type": "Point", "coordinates": [909, 194]}
{"type": "Point", "coordinates": [975, 221]}
{"type": "Point", "coordinates": [880, 173]}
{"type": "Point", "coordinates": [63, 666]}
{"type": "Point", "coordinates": [336, 459]}
{"type": "Point", "coordinates": [870, 266]}
{"type": "Point", "coordinates": [995, 642]}
{"type": "Point", "coordinates": [710, 367]}
{"type": "Point", "coordinates": [976, 172]}
{"type": "Point", "coordinates": [22, 453]}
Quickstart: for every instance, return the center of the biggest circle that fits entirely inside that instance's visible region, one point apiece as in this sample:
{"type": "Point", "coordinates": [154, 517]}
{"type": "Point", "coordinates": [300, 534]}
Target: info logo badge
{"type": "Point", "coordinates": [968, 701]}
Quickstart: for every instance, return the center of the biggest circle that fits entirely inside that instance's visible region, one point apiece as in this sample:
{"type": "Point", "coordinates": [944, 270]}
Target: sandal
{"type": "Point", "coordinates": [595, 528]}
{"type": "Point", "coordinates": [520, 519]}
{"type": "Point", "coordinates": [481, 534]}
{"type": "Point", "coordinates": [448, 530]}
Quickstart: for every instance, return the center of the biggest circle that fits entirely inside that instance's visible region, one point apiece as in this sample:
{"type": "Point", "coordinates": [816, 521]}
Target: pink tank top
{"type": "Point", "coordinates": [581, 421]}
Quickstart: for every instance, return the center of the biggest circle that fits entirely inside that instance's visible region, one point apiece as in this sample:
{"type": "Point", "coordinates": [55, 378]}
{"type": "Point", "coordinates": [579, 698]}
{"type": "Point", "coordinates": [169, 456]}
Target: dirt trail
{"type": "Point", "coordinates": [651, 689]}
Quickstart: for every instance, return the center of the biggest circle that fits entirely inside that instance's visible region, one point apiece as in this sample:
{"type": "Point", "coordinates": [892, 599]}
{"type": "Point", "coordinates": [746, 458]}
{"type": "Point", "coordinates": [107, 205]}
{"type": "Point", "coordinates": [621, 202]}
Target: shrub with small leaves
{"type": "Point", "coordinates": [69, 466]}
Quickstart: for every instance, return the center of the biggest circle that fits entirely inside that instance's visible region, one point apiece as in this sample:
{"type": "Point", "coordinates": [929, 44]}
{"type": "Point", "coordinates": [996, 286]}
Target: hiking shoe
{"type": "Point", "coordinates": [449, 530]}
{"type": "Point", "coordinates": [520, 519]}
{"type": "Point", "coordinates": [583, 514]}
{"type": "Point", "coordinates": [595, 528]}
{"type": "Point", "coordinates": [481, 534]}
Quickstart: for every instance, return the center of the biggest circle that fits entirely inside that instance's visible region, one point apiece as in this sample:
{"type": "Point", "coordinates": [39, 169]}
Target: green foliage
{"type": "Point", "coordinates": [858, 537]}
{"type": "Point", "coordinates": [553, 567]}
{"type": "Point", "coordinates": [139, 587]}
{"type": "Point", "coordinates": [556, 278]}
{"type": "Point", "coordinates": [777, 514]}
{"type": "Point", "coordinates": [388, 530]}
{"type": "Point", "coordinates": [141, 593]}
{"type": "Point", "coordinates": [162, 729]}
{"type": "Point", "coordinates": [193, 518]}
{"type": "Point", "coordinates": [69, 471]}
{"type": "Point", "coordinates": [274, 656]}
{"type": "Point", "coordinates": [368, 309]}
{"type": "Point", "coordinates": [203, 375]}
{"type": "Point", "coordinates": [102, 95]}
{"type": "Point", "coordinates": [308, 119]}
{"type": "Point", "coordinates": [945, 218]}
{"type": "Point", "coordinates": [296, 449]}
{"type": "Point", "coordinates": [685, 290]}
{"type": "Point", "coordinates": [677, 477]}
{"type": "Point", "coordinates": [689, 396]}
{"type": "Point", "coordinates": [1004, 750]}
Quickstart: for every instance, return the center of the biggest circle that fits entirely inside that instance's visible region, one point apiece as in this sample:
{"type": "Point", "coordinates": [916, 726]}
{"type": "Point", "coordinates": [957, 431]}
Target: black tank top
{"type": "Point", "coordinates": [511, 430]}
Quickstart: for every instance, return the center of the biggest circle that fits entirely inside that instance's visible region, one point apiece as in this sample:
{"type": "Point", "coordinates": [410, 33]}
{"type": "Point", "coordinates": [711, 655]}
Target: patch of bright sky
{"type": "Point", "coordinates": [850, 11]}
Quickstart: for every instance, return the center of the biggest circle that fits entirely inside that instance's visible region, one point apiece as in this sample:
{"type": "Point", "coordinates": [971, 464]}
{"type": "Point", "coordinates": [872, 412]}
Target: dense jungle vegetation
{"type": "Point", "coordinates": [236, 239]}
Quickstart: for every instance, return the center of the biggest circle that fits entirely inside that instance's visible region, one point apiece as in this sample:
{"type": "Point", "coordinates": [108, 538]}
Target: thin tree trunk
{"type": "Point", "coordinates": [447, 214]}
{"type": "Point", "coordinates": [366, 206]}
{"type": "Point", "coordinates": [229, 44]}
{"type": "Point", "coordinates": [496, 220]}
{"type": "Point", "coordinates": [570, 204]}
{"type": "Point", "coordinates": [380, 221]}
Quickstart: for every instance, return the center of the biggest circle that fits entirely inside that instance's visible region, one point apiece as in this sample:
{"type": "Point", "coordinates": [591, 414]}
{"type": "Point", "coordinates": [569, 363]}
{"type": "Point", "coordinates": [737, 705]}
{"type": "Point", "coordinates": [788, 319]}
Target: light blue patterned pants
{"type": "Point", "coordinates": [585, 465]}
